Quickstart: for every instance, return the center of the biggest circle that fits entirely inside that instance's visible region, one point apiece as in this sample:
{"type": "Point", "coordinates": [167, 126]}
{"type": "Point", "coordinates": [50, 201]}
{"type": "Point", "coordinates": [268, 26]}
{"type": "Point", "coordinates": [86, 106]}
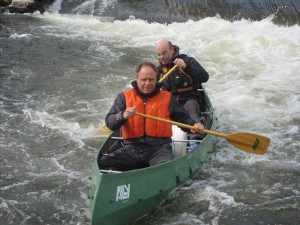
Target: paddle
{"type": "Point", "coordinates": [167, 74]}
{"type": "Point", "coordinates": [248, 142]}
{"type": "Point", "coordinates": [102, 131]}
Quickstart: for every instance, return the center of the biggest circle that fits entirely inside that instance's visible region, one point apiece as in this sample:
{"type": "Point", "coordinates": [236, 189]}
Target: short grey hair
{"type": "Point", "coordinates": [142, 64]}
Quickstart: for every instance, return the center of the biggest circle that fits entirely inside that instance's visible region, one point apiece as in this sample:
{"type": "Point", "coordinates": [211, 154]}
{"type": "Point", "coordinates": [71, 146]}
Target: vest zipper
{"type": "Point", "coordinates": [145, 102]}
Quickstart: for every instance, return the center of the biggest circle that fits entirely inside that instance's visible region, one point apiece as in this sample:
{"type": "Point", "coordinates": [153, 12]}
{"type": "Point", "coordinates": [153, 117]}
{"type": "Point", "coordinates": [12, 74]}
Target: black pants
{"type": "Point", "coordinates": [193, 108]}
{"type": "Point", "coordinates": [134, 157]}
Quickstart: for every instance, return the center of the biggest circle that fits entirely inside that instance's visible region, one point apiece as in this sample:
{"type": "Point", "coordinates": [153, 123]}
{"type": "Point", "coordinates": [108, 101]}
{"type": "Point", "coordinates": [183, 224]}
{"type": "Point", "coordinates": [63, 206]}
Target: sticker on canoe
{"type": "Point", "coordinates": [123, 192]}
{"type": "Point", "coordinates": [255, 144]}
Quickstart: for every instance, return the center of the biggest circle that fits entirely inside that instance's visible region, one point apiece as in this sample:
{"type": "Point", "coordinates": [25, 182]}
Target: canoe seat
{"type": "Point", "coordinates": [179, 144]}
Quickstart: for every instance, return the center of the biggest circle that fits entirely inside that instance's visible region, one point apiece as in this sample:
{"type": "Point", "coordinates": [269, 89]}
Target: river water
{"type": "Point", "coordinates": [60, 73]}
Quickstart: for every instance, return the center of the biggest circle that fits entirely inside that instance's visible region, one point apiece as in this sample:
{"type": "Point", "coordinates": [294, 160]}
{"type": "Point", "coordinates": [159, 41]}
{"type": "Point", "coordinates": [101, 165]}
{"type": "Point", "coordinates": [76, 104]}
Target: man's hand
{"type": "Point", "coordinates": [199, 128]}
{"type": "Point", "coordinates": [180, 63]}
{"type": "Point", "coordinates": [129, 112]}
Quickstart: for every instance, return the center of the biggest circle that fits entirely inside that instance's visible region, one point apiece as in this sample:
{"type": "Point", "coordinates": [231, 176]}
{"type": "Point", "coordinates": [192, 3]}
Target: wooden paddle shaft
{"type": "Point", "coordinates": [178, 124]}
{"type": "Point", "coordinates": [167, 74]}
{"type": "Point", "coordinates": [188, 126]}
{"type": "Point", "coordinates": [249, 142]}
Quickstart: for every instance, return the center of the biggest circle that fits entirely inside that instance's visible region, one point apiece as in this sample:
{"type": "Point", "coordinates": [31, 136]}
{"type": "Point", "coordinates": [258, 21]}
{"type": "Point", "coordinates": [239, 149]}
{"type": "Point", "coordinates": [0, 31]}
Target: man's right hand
{"type": "Point", "coordinates": [129, 112]}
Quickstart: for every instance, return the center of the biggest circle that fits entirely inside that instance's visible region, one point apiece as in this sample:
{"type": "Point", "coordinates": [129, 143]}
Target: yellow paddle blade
{"type": "Point", "coordinates": [102, 131]}
{"type": "Point", "coordinates": [249, 142]}
{"type": "Point", "coordinates": [106, 129]}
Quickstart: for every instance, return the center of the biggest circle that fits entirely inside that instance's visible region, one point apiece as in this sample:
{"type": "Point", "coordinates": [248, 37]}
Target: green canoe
{"type": "Point", "coordinates": [122, 197]}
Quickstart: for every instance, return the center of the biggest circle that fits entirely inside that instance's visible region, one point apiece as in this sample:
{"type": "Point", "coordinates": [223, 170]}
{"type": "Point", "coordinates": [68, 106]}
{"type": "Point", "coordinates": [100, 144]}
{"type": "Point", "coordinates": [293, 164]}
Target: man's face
{"type": "Point", "coordinates": [146, 79]}
{"type": "Point", "coordinates": [164, 53]}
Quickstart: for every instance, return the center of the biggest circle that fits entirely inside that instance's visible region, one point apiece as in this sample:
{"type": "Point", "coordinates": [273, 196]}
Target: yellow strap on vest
{"type": "Point", "coordinates": [165, 70]}
{"type": "Point", "coordinates": [186, 75]}
{"type": "Point", "coordinates": [184, 89]}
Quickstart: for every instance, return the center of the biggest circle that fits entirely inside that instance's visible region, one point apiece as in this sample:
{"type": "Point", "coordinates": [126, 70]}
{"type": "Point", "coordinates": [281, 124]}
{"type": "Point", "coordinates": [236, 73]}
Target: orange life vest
{"type": "Point", "coordinates": [138, 126]}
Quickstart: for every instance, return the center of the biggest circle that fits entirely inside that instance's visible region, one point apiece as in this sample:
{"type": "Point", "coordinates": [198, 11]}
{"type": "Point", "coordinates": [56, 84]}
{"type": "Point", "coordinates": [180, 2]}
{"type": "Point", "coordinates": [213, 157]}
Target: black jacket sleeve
{"type": "Point", "coordinates": [114, 118]}
{"type": "Point", "coordinates": [194, 69]}
{"type": "Point", "coordinates": [179, 114]}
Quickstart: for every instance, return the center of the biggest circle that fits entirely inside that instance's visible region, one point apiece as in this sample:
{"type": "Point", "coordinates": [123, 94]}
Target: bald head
{"type": "Point", "coordinates": [164, 51]}
{"type": "Point", "coordinates": [164, 44]}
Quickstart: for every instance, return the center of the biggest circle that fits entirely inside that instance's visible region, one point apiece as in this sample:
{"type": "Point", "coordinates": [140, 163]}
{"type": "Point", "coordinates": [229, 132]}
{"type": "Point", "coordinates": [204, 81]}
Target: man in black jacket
{"type": "Point", "coordinates": [184, 81]}
{"type": "Point", "coordinates": [147, 141]}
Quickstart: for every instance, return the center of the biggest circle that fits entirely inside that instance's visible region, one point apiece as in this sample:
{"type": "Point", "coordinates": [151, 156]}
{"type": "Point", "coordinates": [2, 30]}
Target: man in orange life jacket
{"type": "Point", "coordinates": [146, 141]}
{"type": "Point", "coordinates": [184, 81]}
